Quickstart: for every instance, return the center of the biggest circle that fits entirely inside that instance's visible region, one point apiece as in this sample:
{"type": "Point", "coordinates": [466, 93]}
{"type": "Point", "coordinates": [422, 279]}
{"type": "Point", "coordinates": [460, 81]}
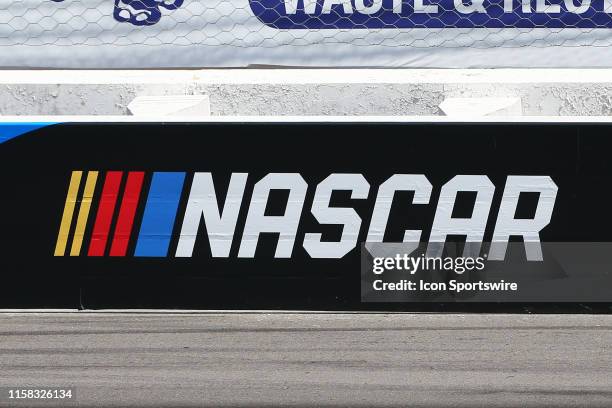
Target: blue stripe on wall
{"type": "Point", "coordinates": [9, 131]}
{"type": "Point", "coordinates": [160, 213]}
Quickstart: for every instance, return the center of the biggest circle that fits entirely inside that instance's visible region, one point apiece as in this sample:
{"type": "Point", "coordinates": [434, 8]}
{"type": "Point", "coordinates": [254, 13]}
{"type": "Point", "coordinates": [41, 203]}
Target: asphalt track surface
{"type": "Point", "coordinates": [236, 359]}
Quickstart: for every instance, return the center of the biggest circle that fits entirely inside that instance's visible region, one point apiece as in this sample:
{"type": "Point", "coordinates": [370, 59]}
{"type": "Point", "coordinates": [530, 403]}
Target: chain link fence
{"type": "Point", "coordinates": [268, 24]}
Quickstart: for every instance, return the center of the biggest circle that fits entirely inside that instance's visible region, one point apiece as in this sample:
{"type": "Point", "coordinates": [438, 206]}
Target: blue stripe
{"type": "Point", "coordinates": [159, 214]}
{"type": "Point", "coordinates": [9, 131]}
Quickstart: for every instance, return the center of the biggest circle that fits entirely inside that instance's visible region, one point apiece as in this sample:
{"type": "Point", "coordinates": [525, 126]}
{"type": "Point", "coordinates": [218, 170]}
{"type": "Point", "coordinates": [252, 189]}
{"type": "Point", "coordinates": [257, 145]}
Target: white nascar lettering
{"type": "Point", "coordinates": [348, 217]}
{"type": "Point", "coordinates": [220, 226]}
{"type": "Point", "coordinates": [285, 225]}
{"type": "Point", "coordinates": [386, 192]}
{"type": "Point", "coordinates": [220, 223]}
{"type": "Point", "coordinates": [473, 228]}
{"type": "Point", "coordinates": [506, 225]}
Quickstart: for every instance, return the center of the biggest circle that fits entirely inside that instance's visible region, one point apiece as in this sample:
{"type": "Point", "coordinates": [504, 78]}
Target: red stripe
{"type": "Point", "coordinates": [123, 230]}
{"type": "Point", "coordinates": [105, 213]}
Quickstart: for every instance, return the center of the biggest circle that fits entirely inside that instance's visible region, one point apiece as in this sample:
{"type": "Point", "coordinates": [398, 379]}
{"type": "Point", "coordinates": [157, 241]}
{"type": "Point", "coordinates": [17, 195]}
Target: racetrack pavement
{"type": "Point", "coordinates": [301, 359]}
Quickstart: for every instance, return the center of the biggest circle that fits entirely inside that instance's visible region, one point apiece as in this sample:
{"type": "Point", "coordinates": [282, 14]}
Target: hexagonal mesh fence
{"type": "Point", "coordinates": [207, 26]}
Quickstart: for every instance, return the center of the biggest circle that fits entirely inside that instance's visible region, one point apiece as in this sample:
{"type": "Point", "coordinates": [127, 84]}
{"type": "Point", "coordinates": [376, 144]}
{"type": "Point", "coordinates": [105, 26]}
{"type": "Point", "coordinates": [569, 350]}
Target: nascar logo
{"type": "Point", "coordinates": [166, 188]}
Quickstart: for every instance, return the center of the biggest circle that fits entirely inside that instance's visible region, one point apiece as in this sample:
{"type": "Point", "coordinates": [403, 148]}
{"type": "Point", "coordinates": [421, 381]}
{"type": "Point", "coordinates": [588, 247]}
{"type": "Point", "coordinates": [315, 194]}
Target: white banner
{"type": "Point", "coordinates": [313, 33]}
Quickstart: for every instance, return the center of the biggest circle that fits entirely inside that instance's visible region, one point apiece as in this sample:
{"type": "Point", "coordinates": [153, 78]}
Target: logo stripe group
{"type": "Point", "coordinates": [160, 213]}
{"type": "Point", "coordinates": [125, 220]}
{"type": "Point", "coordinates": [105, 213]}
{"type": "Point", "coordinates": [71, 198]}
{"type": "Point", "coordinates": [79, 232]}
{"type": "Point", "coordinates": [106, 209]}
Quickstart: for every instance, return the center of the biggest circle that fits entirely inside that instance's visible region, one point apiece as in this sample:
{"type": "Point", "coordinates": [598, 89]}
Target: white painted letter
{"type": "Point", "coordinates": [506, 225]}
{"type": "Point", "coordinates": [543, 7]}
{"type": "Point", "coordinates": [347, 7]}
{"type": "Point", "coordinates": [386, 192]}
{"type": "Point", "coordinates": [291, 6]}
{"type": "Point", "coordinates": [419, 7]}
{"type": "Point", "coordinates": [584, 6]}
{"type": "Point", "coordinates": [473, 228]}
{"type": "Point", "coordinates": [475, 6]}
{"type": "Point", "coordinates": [285, 225]}
{"type": "Point", "coordinates": [371, 9]}
{"type": "Point", "coordinates": [325, 214]}
{"type": "Point", "coordinates": [203, 201]}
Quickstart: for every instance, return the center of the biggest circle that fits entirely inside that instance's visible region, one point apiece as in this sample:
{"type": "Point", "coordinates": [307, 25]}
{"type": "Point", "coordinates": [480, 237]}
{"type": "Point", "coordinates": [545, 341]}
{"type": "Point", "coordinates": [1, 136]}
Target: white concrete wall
{"type": "Point", "coordinates": [307, 92]}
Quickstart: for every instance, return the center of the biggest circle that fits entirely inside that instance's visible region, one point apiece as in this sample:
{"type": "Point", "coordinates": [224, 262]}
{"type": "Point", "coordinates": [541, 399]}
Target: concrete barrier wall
{"type": "Point", "coordinates": [284, 92]}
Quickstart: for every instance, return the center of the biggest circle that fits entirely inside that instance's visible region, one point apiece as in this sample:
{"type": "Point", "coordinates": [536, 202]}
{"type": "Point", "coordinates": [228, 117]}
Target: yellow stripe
{"type": "Point", "coordinates": [90, 186]}
{"type": "Point", "coordinates": [62, 236]}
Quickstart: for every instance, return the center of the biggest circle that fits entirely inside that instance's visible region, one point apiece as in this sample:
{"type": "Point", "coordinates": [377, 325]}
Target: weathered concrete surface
{"type": "Point", "coordinates": [312, 359]}
{"type": "Point", "coordinates": [343, 92]}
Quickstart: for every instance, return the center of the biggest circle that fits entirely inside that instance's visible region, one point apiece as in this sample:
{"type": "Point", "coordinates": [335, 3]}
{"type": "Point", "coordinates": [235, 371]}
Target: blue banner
{"type": "Point", "coordinates": [376, 14]}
